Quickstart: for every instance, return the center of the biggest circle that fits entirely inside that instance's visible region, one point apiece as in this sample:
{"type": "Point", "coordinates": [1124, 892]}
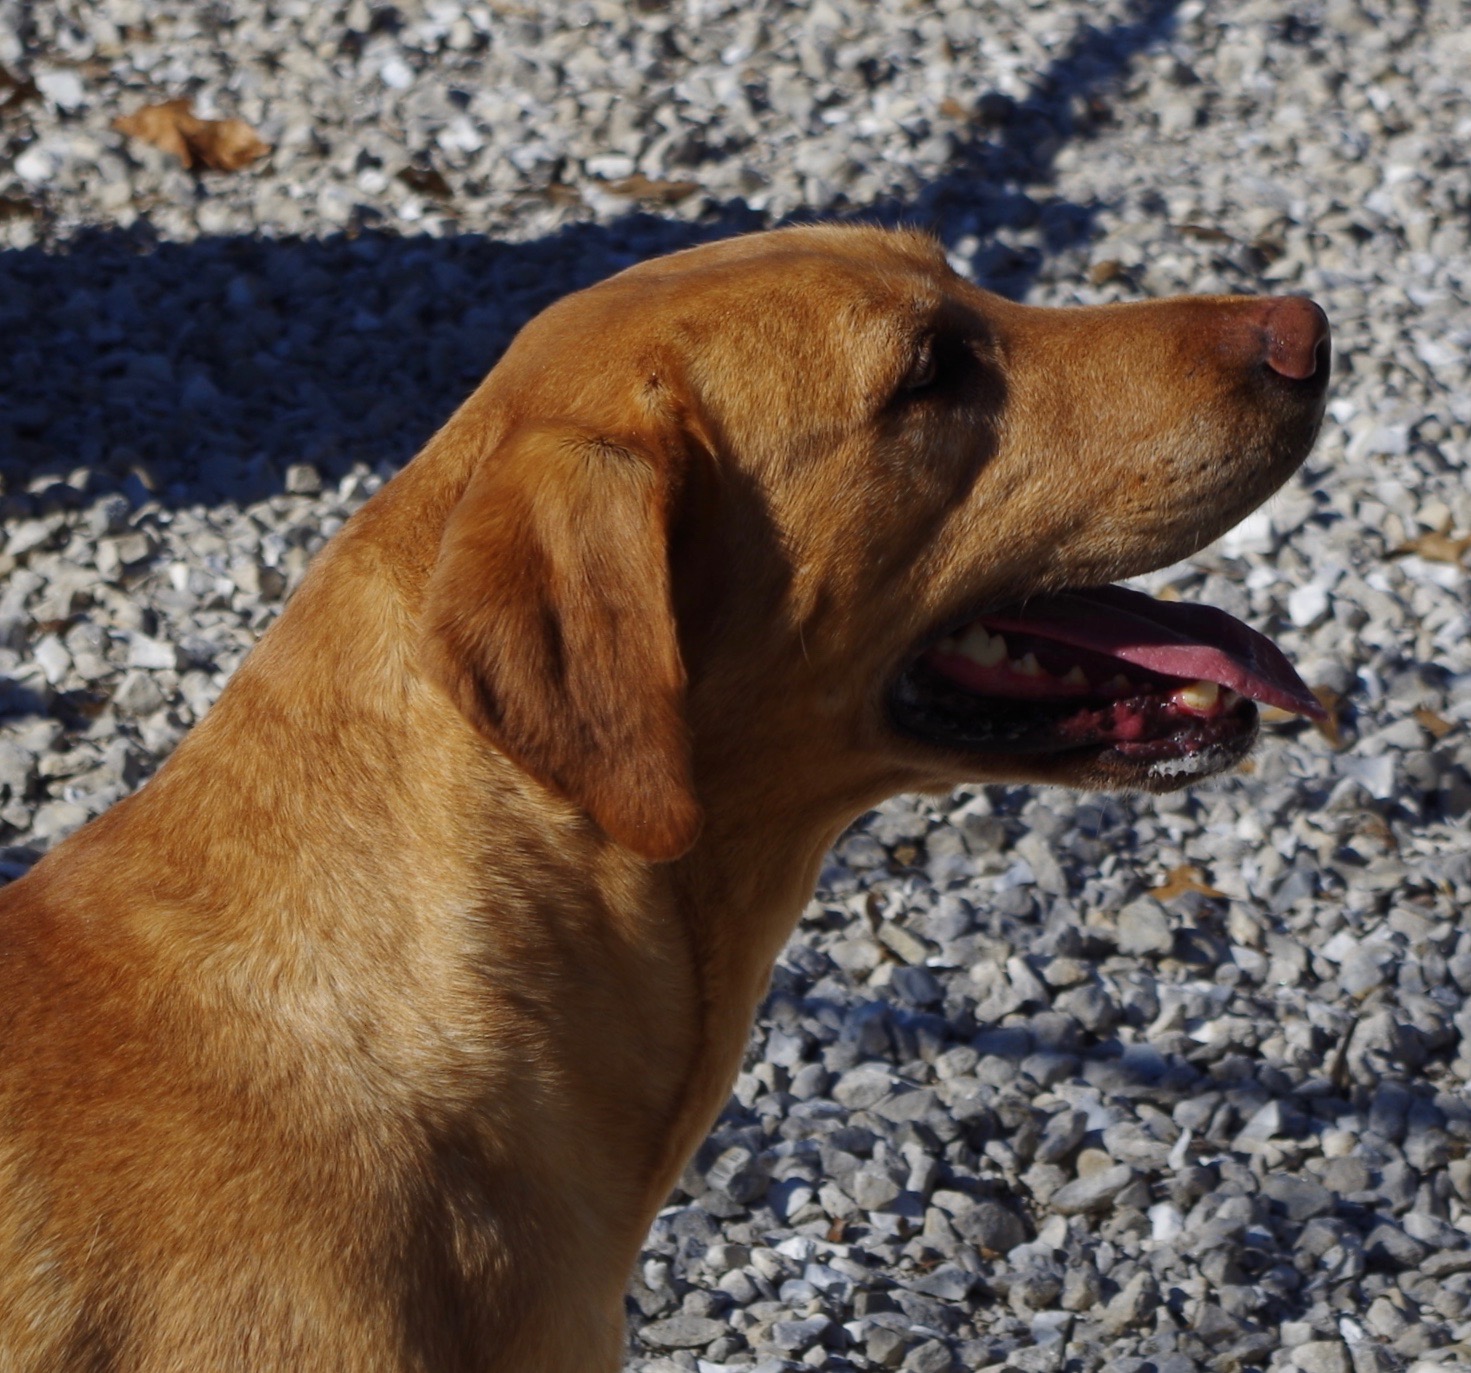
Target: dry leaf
{"type": "Point", "coordinates": [1110, 269]}
{"type": "Point", "coordinates": [640, 187]}
{"type": "Point", "coordinates": [426, 181]}
{"type": "Point", "coordinates": [1184, 879]}
{"type": "Point", "coordinates": [1434, 723]}
{"type": "Point", "coordinates": [1437, 548]}
{"type": "Point", "coordinates": [225, 145]}
{"type": "Point", "coordinates": [1206, 233]}
{"type": "Point", "coordinates": [16, 90]}
{"type": "Point", "coordinates": [18, 207]}
{"type": "Point", "coordinates": [951, 108]}
{"type": "Point", "coordinates": [1329, 727]}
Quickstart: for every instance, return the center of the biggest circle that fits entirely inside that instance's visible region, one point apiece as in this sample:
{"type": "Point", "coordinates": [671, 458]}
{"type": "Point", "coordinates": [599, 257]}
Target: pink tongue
{"type": "Point", "coordinates": [1197, 642]}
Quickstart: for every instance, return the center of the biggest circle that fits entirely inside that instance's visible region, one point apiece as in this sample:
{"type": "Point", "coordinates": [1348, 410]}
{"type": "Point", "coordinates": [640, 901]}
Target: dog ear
{"type": "Point", "coordinates": [549, 621]}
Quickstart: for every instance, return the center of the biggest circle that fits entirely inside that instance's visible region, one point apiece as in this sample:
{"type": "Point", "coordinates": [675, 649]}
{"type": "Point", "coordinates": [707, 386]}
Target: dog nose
{"type": "Point", "coordinates": [1296, 331]}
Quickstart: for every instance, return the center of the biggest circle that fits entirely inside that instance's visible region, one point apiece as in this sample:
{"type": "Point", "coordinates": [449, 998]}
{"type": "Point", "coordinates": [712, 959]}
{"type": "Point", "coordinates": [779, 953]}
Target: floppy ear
{"type": "Point", "coordinates": [550, 623]}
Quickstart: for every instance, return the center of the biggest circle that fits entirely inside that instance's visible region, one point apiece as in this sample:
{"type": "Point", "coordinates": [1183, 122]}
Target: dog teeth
{"type": "Point", "coordinates": [1199, 695]}
{"type": "Point", "coordinates": [1028, 667]}
{"type": "Point", "coordinates": [986, 649]}
{"type": "Point", "coordinates": [1076, 677]}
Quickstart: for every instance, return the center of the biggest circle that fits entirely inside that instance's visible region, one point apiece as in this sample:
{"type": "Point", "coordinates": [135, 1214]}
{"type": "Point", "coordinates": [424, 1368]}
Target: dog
{"type": "Point", "coordinates": [373, 1031]}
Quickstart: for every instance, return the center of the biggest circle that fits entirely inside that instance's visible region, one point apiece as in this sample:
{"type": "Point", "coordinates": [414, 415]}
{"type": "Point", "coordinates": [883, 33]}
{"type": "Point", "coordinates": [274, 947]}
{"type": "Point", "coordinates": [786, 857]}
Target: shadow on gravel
{"type": "Point", "coordinates": [1213, 1124]}
{"type": "Point", "coordinates": [196, 373]}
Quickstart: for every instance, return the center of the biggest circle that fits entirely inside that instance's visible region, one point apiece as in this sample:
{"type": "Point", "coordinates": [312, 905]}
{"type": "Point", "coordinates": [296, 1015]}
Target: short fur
{"type": "Point", "coordinates": [373, 1031]}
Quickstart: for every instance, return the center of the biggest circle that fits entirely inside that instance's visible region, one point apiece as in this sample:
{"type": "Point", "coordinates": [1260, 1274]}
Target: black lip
{"type": "Point", "coordinates": [930, 708]}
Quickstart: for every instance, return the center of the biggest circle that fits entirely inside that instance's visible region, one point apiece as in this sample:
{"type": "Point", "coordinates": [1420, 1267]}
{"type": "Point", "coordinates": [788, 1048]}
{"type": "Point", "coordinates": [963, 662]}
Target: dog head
{"type": "Point", "coordinates": [807, 505]}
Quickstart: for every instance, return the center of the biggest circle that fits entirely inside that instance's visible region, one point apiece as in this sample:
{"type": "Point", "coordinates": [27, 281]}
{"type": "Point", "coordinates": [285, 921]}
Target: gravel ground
{"type": "Point", "coordinates": [1046, 1081]}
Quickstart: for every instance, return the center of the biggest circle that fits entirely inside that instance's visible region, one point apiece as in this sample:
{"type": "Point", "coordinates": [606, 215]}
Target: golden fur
{"type": "Point", "coordinates": [373, 1031]}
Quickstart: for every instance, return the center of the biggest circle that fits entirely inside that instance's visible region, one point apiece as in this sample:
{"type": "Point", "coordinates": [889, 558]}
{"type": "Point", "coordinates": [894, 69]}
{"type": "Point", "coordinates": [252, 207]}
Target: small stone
{"type": "Point", "coordinates": [886, 1347]}
{"type": "Point", "coordinates": [1300, 1198]}
{"type": "Point", "coordinates": [1082, 1287]}
{"type": "Point", "coordinates": [742, 1175]}
{"type": "Point", "coordinates": [1346, 1175]}
{"type": "Point", "coordinates": [1144, 928]}
{"type": "Point", "coordinates": [1322, 1356]}
{"type": "Point", "coordinates": [683, 1332]}
{"type": "Point", "coordinates": [991, 1226]}
{"type": "Point", "coordinates": [1131, 1304]}
{"type": "Point", "coordinates": [1372, 1358]}
{"type": "Point", "coordinates": [1063, 1133]}
{"type": "Point", "coordinates": [947, 1282]}
{"type": "Point", "coordinates": [55, 661]}
{"type": "Point", "coordinates": [792, 1337]}
{"type": "Point", "coordinates": [138, 693]}
{"type": "Point", "coordinates": [862, 1087]}
{"type": "Point", "coordinates": [303, 479]}
{"type": "Point", "coordinates": [1040, 1358]}
{"type": "Point", "coordinates": [1387, 1243]}
{"type": "Point", "coordinates": [1037, 1289]}
{"type": "Point", "coordinates": [932, 1356]}
{"type": "Point", "coordinates": [872, 1189]}
{"type": "Point", "coordinates": [1264, 1126]}
{"type": "Point", "coordinates": [1095, 1193]}
{"type": "Point", "coordinates": [1366, 967]}
{"type": "Point", "coordinates": [153, 654]}
{"type": "Point", "coordinates": [908, 946]}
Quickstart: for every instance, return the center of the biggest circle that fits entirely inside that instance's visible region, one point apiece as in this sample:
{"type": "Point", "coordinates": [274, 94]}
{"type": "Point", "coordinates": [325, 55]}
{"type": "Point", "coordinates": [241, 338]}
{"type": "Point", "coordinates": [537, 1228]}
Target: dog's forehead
{"type": "Point", "coordinates": [777, 328]}
{"type": "Point", "coordinates": [848, 275]}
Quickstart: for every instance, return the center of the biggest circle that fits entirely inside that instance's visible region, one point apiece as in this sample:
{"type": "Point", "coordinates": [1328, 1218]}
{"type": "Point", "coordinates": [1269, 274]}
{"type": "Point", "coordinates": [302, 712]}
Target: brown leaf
{"type": "Point", "coordinates": [1110, 269]}
{"type": "Point", "coordinates": [640, 187]}
{"type": "Point", "coordinates": [18, 207]}
{"type": "Point", "coordinates": [906, 855]}
{"type": "Point", "coordinates": [1206, 233]}
{"type": "Point", "coordinates": [1184, 879]}
{"type": "Point", "coordinates": [951, 108]}
{"type": "Point", "coordinates": [427, 181]}
{"type": "Point", "coordinates": [1437, 548]}
{"type": "Point", "coordinates": [224, 145]}
{"type": "Point", "coordinates": [1330, 728]}
{"type": "Point", "coordinates": [1434, 723]}
{"type": "Point", "coordinates": [16, 90]}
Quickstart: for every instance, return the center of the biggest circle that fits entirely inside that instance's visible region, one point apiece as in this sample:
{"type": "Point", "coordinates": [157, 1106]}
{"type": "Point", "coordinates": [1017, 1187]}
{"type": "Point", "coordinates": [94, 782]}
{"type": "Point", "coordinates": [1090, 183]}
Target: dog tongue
{"type": "Point", "coordinates": [1197, 642]}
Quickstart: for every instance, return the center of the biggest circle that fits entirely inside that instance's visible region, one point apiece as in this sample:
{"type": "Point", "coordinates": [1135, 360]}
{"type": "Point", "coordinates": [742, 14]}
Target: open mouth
{"type": "Point", "coordinates": [1163, 687]}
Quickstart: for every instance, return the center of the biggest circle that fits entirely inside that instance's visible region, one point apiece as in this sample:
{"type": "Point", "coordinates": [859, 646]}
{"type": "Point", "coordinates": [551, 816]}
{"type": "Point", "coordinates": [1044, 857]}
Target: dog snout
{"type": "Point", "coordinates": [1295, 335]}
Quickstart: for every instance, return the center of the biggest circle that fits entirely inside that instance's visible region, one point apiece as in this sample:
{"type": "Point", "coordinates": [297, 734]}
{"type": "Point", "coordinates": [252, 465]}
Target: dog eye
{"type": "Point", "coordinates": [925, 367]}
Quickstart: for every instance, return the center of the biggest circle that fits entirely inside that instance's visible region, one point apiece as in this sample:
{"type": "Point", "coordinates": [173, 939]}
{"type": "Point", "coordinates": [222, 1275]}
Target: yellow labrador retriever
{"type": "Point", "coordinates": [373, 1031]}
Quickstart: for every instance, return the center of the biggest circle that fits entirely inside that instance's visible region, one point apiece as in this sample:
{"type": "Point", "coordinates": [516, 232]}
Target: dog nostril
{"type": "Point", "coordinates": [1297, 338]}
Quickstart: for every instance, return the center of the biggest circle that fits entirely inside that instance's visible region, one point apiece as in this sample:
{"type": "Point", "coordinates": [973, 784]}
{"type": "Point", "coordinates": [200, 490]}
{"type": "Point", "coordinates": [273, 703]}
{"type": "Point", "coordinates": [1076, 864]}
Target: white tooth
{"type": "Point", "coordinates": [1199, 695]}
{"type": "Point", "coordinates": [1028, 667]}
{"type": "Point", "coordinates": [1076, 676]}
{"type": "Point", "coordinates": [982, 648]}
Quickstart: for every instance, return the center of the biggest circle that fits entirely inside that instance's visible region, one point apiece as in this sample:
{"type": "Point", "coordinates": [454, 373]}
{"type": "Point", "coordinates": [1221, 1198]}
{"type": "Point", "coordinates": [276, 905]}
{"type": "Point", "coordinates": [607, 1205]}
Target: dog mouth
{"type": "Point", "coordinates": [1164, 690]}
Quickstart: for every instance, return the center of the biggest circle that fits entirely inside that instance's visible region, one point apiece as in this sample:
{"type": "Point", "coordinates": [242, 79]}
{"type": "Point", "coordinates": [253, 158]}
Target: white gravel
{"type": "Point", "coordinates": [1004, 1108]}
